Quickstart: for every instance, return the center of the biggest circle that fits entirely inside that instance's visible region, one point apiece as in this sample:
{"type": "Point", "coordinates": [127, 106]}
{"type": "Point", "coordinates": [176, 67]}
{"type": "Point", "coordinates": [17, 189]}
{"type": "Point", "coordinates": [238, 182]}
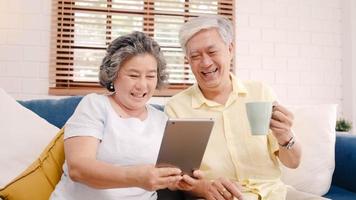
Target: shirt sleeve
{"type": "Point", "coordinates": [273, 144]}
{"type": "Point", "coordinates": [88, 118]}
{"type": "Point", "coordinates": [169, 110]}
{"type": "Point", "coordinates": [268, 93]}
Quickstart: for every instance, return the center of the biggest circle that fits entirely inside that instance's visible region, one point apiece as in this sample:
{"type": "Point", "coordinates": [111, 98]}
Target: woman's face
{"type": "Point", "coordinates": [136, 81]}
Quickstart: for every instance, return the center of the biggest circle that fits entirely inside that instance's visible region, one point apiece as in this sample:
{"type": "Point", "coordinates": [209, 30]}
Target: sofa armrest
{"type": "Point", "coordinates": [345, 161]}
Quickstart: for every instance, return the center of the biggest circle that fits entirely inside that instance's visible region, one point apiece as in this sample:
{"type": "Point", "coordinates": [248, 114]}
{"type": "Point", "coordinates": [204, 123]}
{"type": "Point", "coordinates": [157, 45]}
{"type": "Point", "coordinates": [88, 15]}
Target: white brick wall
{"type": "Point", "coordinates": [349, 60]}
{"type": "Point", "coordinates": [24, 47]}
{"type": "Point", "coordinates": [294, 46]}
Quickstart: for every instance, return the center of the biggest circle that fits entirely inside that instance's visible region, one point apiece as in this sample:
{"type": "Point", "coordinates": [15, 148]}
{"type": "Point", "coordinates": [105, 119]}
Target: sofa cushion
{"type": "Point", "coordinates": [314, 127]}
{"type": "Point", "coordinates": [339, 193]}
{"type": "Point", "coordinates": [345, 162]}
{"type": "Point", "coordinates": [59, 112]}
{"type": "Point", "coordinates": [40, 178]}
{"type": "Point", "coordinates": [23, 134]}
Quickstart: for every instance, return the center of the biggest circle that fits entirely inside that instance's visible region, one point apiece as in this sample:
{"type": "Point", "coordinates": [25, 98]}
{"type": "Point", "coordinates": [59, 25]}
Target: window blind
{"type": "Point", "coordinates": [82, 29]}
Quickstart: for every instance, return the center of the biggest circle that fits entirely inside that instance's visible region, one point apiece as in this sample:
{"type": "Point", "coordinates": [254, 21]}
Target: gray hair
{"type": "Point", "coordinates": [125, 47]}
{"type": "Point", "coordinates": [193, 26]}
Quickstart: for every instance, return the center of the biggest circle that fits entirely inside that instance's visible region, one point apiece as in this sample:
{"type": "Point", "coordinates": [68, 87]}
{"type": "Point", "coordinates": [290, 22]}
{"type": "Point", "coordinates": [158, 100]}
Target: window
{"type": "Point", "coordinates": [82, 29]}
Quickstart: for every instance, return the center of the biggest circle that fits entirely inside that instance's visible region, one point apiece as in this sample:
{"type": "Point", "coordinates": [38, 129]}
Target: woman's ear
{"type": "Point", "coordinates": [111, 87]}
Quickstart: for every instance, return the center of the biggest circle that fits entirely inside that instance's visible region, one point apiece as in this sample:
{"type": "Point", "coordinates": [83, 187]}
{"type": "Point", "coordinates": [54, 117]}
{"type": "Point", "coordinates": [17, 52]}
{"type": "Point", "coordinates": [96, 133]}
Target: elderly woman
{"type": "Point", "coordinates": [112, 141]}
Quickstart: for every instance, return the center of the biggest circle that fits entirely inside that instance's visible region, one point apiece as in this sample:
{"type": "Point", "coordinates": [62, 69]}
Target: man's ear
{"type": "Point", "coordinates": [231, 47]}
{"type": "Point", "coordinates": [186, 58]}
{"type": "Point", "coordinates": [231, 50]}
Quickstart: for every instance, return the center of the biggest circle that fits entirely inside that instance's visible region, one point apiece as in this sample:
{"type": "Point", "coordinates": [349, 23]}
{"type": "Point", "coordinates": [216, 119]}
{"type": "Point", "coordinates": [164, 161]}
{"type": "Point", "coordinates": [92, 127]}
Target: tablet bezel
{"type": "Point", "coordinates": [184, 142]}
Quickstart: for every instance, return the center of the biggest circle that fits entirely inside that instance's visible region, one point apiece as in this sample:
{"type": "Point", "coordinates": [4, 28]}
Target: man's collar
{"type": "Point", "coordinates": [198, 99]}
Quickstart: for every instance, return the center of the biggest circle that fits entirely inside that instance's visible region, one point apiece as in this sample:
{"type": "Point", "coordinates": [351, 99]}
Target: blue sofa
{"type": "Point", "coordinates": [57, 111]}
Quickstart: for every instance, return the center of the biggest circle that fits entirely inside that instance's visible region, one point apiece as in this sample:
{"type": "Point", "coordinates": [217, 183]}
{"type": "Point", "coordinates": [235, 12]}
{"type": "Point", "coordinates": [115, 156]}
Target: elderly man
{"type": "Point", "coordinates": [236, 164]}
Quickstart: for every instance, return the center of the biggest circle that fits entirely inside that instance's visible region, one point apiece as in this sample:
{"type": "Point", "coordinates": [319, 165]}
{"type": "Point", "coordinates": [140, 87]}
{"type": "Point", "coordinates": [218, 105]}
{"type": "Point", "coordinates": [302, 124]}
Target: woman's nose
{"type": "Point", "coordinates": [141, 83]}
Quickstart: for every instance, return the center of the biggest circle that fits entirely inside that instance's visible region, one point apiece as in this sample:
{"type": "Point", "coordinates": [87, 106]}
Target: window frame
{"type": "Point", "coordinates": [63, 38]}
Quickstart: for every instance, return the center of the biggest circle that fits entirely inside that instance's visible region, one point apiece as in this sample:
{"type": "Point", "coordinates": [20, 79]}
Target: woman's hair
{"type": "Point", "coordinates": [124, 48]}
{"type": "Point", "coordinates": [193, 26]}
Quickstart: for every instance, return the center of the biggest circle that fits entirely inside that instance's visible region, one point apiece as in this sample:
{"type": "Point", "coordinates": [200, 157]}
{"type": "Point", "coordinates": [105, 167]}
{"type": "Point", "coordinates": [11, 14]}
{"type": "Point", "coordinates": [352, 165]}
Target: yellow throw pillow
{"type": "Point", "coordinates": [40, 178]}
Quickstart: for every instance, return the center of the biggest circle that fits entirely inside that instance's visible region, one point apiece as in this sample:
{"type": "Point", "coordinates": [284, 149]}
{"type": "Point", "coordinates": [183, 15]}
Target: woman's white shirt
{"type": "Point", "coordinates": [123, 141]}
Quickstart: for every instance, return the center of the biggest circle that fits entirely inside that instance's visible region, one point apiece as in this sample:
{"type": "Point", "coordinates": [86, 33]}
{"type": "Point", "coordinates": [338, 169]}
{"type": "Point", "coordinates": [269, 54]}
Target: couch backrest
{"type": "Point", "coordinates": [345, 161]}
{"type": "Point", "coordinates": [58, 111]}
{"type": "Point", "coordinates": [55, 111]}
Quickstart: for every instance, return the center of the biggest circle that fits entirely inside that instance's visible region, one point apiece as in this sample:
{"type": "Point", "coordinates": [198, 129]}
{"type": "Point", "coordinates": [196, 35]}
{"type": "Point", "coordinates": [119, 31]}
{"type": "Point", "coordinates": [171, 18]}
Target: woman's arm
{"type": "Point", "coordinates": [83, 167]}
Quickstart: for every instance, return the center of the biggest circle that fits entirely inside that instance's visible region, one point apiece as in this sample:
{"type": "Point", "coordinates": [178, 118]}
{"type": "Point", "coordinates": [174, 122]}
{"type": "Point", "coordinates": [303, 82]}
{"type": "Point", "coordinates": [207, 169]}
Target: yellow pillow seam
{"type": "Point", "coordinates": [38, 163]}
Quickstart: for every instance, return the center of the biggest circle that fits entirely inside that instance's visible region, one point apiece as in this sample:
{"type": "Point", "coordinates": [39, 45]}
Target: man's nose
{"type": "Point", "coordinates": [206, 60]}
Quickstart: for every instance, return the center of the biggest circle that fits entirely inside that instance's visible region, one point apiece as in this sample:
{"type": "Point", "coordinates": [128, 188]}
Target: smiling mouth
{"type": "Point", "coordinates": [138, 95]}
{"type": "Point", "coordinates": [210, 72]}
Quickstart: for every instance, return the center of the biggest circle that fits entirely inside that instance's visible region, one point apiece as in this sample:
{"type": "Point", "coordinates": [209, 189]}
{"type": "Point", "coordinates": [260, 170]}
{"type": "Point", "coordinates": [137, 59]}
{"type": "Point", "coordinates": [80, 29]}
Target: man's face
{"type": "Point", "coordinates": [209, 58]}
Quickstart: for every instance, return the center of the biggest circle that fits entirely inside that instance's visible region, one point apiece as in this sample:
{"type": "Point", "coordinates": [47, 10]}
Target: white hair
{"type": "Point", "coordinates": [193, 26]}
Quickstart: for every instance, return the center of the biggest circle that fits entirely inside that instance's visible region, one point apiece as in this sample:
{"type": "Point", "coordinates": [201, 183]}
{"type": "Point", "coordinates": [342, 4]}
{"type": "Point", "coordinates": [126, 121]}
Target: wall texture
{"type": "Point", "coordinates": [24, 47]}
{"type": "Point", "coordinates": [293, 45]}
{"type": "Point", "coordinates": [349, 59]}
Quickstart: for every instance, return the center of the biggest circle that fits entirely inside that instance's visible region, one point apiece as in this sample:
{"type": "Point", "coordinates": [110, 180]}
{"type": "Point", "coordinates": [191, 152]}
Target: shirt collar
{"type": "Point", "coordinates": [198, 99]}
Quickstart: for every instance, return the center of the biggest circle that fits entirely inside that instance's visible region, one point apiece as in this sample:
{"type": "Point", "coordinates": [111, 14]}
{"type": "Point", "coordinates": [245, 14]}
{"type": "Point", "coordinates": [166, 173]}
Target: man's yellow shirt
{"type": "Point", "coordinates": [232, 151]}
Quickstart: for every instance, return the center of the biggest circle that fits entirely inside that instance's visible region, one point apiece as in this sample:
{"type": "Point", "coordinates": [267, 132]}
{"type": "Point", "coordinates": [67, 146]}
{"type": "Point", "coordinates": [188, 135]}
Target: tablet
{"type": "Point", "coordinates": [184, 142]}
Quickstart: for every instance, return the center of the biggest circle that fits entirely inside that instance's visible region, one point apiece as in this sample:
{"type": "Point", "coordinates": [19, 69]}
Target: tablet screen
{"type": "Point", "coordinates": [184, 142]}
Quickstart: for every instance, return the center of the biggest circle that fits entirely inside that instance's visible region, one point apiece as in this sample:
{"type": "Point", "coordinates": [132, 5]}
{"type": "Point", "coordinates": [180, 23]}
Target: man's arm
{"type": "Point", "coordinates": [289, 148]}
{"type": "Point", "coordinates": [221, 188]}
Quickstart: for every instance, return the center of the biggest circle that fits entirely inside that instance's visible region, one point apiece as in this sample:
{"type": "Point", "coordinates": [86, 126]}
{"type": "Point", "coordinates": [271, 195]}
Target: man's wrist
{"type": "Point", "coordinates": [289, 143]}
{"type": "Point", "coordinates": [199, 189]}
